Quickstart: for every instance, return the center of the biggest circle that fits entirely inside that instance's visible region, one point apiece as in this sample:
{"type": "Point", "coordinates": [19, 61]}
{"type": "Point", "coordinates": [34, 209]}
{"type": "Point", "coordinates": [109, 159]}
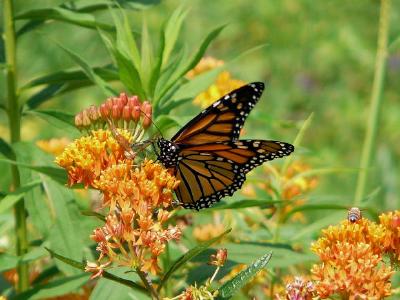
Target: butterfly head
{"type": "Point", "coordinates": [168, 153]}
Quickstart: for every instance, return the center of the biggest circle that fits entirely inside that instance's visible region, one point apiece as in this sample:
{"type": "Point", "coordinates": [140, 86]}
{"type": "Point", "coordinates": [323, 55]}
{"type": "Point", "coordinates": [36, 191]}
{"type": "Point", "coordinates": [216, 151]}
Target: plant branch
{"type": "Point", "coordinates": [15, 136]}
{"type": "Point", "coordinates": [148, 284]}
{"type": "Point", "coordinates": [368, 151]}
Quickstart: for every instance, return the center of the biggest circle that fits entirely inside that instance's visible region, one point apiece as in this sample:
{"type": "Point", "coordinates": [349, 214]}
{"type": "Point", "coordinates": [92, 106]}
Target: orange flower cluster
{"type": "Point", "coordinates": [138, 198]}
{"type": "Point", "coordinates": [391, 221]}
{"type": "Point", "coordinates": [352, 266]}
{"type": "Point", "coordinates": [53, 146]}
{"type": "Point", "coordinates": [222, 85]}
{"type": "Point", "coordinates": [88, 156]}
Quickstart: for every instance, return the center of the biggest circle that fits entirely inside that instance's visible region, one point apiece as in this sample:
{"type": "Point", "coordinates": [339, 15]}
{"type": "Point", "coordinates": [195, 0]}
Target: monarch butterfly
{"type": "Point", "coordinates": [207, 156]}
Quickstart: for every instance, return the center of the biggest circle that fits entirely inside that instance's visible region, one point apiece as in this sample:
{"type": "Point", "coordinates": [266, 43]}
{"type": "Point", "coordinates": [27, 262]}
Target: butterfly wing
{"type": "Point", "coordinates": [211, 171]}
{"type": "Point", "coordinates": [222, 120]}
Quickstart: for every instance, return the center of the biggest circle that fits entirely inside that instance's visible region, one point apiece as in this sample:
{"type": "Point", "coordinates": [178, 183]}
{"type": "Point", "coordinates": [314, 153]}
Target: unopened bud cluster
{"type": "Point", "coordinates": [123, 111]}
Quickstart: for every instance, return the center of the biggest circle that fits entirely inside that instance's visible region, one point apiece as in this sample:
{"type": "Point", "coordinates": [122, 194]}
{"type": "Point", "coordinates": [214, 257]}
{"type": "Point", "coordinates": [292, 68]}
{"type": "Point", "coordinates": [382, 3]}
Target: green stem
{"type": "Point", "coordinates": [15, 136]}
{"type": "Point", "coordinates": [368, 150]}
{"type": "Point", "coordinates": [147, 283]}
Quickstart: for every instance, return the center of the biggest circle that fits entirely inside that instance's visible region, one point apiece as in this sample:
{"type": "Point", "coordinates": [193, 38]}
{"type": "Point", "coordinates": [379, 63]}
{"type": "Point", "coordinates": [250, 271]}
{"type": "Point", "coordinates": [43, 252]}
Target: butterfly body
{"type": "Point", "coordinates": [207, 156]}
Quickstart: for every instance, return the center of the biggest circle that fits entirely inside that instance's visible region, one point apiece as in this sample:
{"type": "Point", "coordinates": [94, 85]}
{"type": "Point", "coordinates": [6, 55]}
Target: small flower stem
{"type": "Point", "coordinates": [14, 118]}
{"type": "Point", "coordinates": [148, 284]}
{"type": "Point", "coordinates": [368, 150]}
{"type": "Point", "coordinates": [213, 276]}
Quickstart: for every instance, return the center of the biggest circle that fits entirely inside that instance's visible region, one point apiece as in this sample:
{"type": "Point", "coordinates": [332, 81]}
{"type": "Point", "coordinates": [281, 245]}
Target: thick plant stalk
{"type": "Point", "coordinates": [368, 150]}
{"type": "Point", "coordinates": [15, 135]}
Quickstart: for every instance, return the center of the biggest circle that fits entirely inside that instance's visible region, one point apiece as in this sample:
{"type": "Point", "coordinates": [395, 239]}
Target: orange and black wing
{"type": "Point", "coordinates": [211, 171]}
{"type": "Point", "coordinates": [222, 120]}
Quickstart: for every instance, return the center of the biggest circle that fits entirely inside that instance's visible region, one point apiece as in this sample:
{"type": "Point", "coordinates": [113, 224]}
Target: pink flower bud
{"type": "Point", "coordinates": [147, 114]}
{"type": "Point", "coordinates": [109, 103]}
{"type": "Point", "coordinates": [85, 118]}
{"type": "Point", "coordinates": [126, 113]}
{"type": "Point", "coordinates": [116, 112]}
{"type": "Point", "coordinates": [136, 113]}
{"type": "Point", "coordinates": [123, 98]}
{"type": "Point", "coordinates": [93, 113]}
{"type": "Point", "coordinates": [105, 111]}
{"type": "Point", "coordinates": [133, 101]}
{"type": "Point", "coordinates": [79, 120]}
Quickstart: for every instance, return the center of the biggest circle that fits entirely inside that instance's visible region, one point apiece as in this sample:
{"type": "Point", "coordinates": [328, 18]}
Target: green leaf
{"type": "Point", "coordinates": [81, 266]}
{"type": "Point", "coordinates": [229, 288]}
{"type": "Point", "coordinates": [45, 94]}
{"type": "Point", "coordinates": [305, 207]}
{"type": "Point", "coordinates": [165, 122]}
{"type": "Point", "coordinates": [146, 57]}
{"type": "Point", "coordinates": [90, 73]}
{"type": "Point", "coordinates": [6, 149]}
{"type": "Point", "coordinates": [12, 198]}
{"type": "Point", "coordinates": [125, 42]}
{"type": "Point", "coordinates": [94, 214]}
{"type": "Point", "coordinates": [64, 15]}
{"type": "Point", "coordinates": [58, 174]}
{"type": "Point", "coordinates": [168, 107]}
{"type": "Point", "coordinates": [192, 253]}
{"type": "Point", "coordinates": [195, 59]}
{"type": "Point", "coordinates": [8, 261]}
{"type": "Point", "coordinates": [66, 118]}
{"type": "Point", "coordinates": [155, 73]}
{"type": "Point", "coordinates": [171, 33]}
{"type": "Point", "coordinates": [107, 73]}
{"type": "Point", "coordinates": [55, 288]}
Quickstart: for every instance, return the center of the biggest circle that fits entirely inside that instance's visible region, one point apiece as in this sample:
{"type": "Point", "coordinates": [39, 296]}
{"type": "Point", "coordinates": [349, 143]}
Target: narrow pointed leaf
{"type": "Point", "coordinates": [229, 288]}
{"type": "Point", "coordinates": [172, 30]}
{"type": "Point", "coordinates": [192, 253]}
{"type": "Point", "coordinates": [146, 57]}
{"type": "Point", "coordinates": [64, 15]}
{"type": "Point", "coordinates": [90, 73]}
{"type": "Point", "coordinates": [12, 198]}
{"type": "Point", "coordinates": [81, 266]}
{"type": "Point", "coordinates": [6, 149]}
{"type": "Point", "coordinates": [58, 174]}
{"type": "Point", "coordinates": [54, 288]}
{"type": "Point", "coordinates": [57, 114]}
{"type": "Point", "coordinates": [196, 57]}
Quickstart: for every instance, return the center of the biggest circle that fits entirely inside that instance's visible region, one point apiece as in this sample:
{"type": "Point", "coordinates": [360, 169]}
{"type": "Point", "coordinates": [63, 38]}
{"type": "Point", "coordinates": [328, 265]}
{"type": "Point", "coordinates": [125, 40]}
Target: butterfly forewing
{"type": "Point", "coordinates": [211, 171]}
{"type": "Point", "coordinates": [223, 120]}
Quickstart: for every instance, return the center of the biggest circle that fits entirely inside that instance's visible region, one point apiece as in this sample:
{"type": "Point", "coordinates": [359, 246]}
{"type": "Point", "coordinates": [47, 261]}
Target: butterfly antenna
{"type": "Point", "coordinates": [151, 120]}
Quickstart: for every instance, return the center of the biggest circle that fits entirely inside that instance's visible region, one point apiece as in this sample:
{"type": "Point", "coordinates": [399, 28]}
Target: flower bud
{"type": "Point", "coordinates": [147, 114]}
{"type": "Point", "coordinates": [79, 120]}
{"type": "Point", "coordinates": [116, 112]}
{"type": "Point", "coordinates": [93, 113]}
{"type": "Point", "coordinates": [104, 111]}
{"type": "Point", "coordinates": [85, 118]}
{"type": "Point", "coordinates": [126, 113]}
{"type": "Point", "coordinates": [133, 101]}
{"type": "Point", "coordinates": [109, 103]}
{"type": "Point", "coordinates": [136, 113]}
{"type": "Point", "coordinates": [219, 258]}
{"type": "Point", "coordinates": [123, 98]}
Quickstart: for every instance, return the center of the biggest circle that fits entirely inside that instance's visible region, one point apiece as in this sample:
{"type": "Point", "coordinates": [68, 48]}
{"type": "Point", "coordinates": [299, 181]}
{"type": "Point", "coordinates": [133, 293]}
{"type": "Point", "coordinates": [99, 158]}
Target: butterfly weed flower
{"type": "Point", "coordinates": [136, 230]}
{"type": "Point", "coordinates": [53, 146]}
{"type": "Point", "coordinates": [391, 222]}
{"type": "Point", "coordinates": [223, 83]}
{"type": "Point", "coordinates": [298, 289]}
{"type": "Point", "coordinates": [352, 263]}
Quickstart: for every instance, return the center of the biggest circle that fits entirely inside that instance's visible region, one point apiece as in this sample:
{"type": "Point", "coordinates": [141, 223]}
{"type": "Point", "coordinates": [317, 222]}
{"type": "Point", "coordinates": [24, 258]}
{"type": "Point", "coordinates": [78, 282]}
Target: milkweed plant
{"type": "Point", "coordinates": [94, 211]}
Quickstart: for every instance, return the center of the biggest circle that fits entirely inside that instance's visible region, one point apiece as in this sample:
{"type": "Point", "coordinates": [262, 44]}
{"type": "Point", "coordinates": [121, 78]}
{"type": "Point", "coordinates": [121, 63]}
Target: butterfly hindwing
{"type": "Point", "coordinates": [223, 120]}
{"type": "Point", "coordinates": [211, 171]}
